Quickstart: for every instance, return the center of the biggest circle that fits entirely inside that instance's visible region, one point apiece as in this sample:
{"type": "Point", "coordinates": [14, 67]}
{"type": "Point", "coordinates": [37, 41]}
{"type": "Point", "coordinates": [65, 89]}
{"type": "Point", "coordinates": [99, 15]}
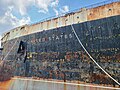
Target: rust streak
{"type": "Point", "coordinates": [5, 85]}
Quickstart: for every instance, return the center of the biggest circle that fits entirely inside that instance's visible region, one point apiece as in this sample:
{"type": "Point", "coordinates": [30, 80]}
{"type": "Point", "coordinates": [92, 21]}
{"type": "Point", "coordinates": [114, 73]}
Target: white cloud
{"type": "Point", "coordinates": [0, 40]}
{"type": "Point", "coordinates": [64, 9]}
{"type": "Point", "coordinates": [55, 3]}
{"type": "Point", "coordinates": [19, 5]}
{"type": "Point", "coordinates": [11, 21]}
{"type": "Point", "coordinates": [42, 11]}
{"type": "Point", "coordinates": [54, 6]}
{"type": "Point", "coordinates": [43, 4]}
{"type": "Point", "coordinates": [8, 8]}
{"type": "Point", "coordinates": [22, 6]}
{"type": "Point", "coordinates": [56, 11]}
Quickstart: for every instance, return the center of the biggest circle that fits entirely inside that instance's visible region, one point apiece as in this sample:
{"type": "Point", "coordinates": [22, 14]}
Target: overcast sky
{"type": "Point", "coordinates": [14, 13]}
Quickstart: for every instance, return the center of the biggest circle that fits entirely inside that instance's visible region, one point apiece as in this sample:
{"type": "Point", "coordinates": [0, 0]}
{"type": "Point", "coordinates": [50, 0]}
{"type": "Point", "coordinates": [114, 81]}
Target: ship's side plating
{"type": "Point", "coordinates": [50, 49]}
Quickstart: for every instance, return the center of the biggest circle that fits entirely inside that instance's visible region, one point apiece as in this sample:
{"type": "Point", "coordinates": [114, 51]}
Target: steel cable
{"type": "Point", "coordinates": [92, 57]}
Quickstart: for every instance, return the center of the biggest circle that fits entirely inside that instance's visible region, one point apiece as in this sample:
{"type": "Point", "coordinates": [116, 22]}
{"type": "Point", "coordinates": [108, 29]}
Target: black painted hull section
{"type": "Point", "coordinates": [57, 53]}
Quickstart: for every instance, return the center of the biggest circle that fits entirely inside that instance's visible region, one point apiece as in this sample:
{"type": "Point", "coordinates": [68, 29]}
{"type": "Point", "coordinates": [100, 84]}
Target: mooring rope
{"type": "Point", "coordinates": [2, 62]}
{"type": "Point", "coordinates": [92, 57]}
{"type": "Point", "coordinates": [11, 47]}
{"type": "Point", "coordinates": [10, 50]}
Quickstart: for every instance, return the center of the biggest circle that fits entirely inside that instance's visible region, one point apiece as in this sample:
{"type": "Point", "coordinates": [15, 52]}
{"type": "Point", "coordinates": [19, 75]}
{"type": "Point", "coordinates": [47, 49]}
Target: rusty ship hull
{"type": "Point", "coordinates": [50, 50]}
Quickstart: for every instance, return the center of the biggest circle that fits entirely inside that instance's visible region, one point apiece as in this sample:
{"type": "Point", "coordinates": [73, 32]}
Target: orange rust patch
{"type": "Point", "coordinates": [104, 11]}
{"type": "Point", "coordinates": [5, 85]}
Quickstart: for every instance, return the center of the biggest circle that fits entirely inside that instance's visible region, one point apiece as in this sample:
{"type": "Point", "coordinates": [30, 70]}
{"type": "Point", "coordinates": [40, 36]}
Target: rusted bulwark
{"type": "Point", "coordinates": [32, 84]}
{"type": "Point", "coordinates": [104, 11]}
{"type": "Point", "coordinates": [6, 85]}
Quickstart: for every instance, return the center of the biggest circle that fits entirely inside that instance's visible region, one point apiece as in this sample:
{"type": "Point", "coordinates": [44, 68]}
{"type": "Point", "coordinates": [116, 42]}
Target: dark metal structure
{"type": "Point", "coordinates": [56, 53]}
